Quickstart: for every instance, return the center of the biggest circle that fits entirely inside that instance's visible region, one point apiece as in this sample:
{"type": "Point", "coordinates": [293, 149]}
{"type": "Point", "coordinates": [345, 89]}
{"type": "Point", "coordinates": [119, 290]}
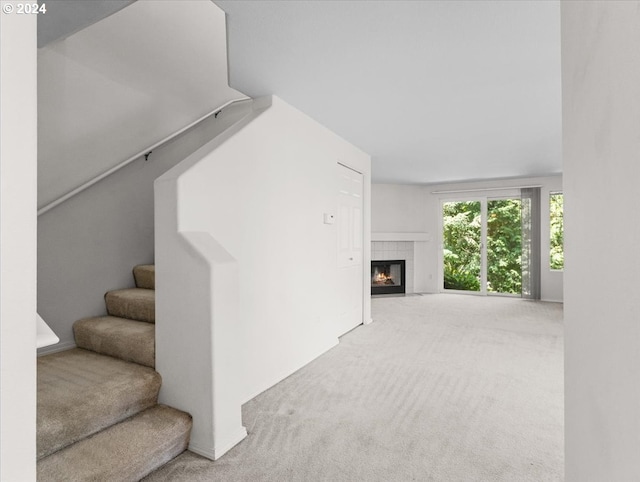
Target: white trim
{"type": "Point", "coordinates": [484, 258]}
{"type": "Point", "coordinates": [504, 295]}
{"type": "Point", "coordinates": [207, 453]}
{"type": "Point", "coordinates": [333, 342]}
{"type": "Point", "coordinates": [483, 245]}
{"type": "Point", "coordinates": [366, 244]}
{"type": "Point", "coordinates": [421, 236]}
{"type": "Point", "coordinates": [66, 345]}
{"type": "Point", "coordinates": [231, 442]}
{"type": "Point", "coordinates": [484, 212]}
{"type": "Point", "coordinates": [351, 168]}
{"type": "Point", "coordinates": [216, 453]}
{"type": "Point", "coordinates": [482, 189]}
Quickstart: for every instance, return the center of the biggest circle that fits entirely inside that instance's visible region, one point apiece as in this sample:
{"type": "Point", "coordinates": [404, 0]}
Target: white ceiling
{"type": "Point", "coordinates": [434, 90]}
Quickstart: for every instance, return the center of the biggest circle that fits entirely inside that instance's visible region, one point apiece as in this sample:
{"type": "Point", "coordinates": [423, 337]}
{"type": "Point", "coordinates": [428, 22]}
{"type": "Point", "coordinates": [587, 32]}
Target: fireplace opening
{"type": "Point", "coordinates": [387, 277]}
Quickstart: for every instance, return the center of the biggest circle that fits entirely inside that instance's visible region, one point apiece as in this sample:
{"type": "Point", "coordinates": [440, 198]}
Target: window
{"type": "Point", "coordinates": [504, 246]}
{"type": "Point", "coordinates": [556, 245]}
{"type": "Point", "coordinates": [479, 256]}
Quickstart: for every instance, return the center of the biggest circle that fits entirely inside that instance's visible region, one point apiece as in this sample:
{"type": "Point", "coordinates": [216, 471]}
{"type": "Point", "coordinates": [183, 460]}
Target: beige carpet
{"type": "Point", "coordinates": [81, 393]}
{"type": "Point", "coordinates": [98, 418]}
{"type": "Point", "coordinates": [439, 387]}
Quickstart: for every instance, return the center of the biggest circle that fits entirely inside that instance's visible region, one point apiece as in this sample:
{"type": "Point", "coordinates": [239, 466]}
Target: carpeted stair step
{"type": "Point", "coordinates": [145, 276]}
{"type": "Point", "coordinates": [81, 393]}
{"type": "Point", "coordinates": [128, 340]}
{"type": "Point", "coordinates": [133, 303]}
{"type": "Point", "coordinates": [125, 452]}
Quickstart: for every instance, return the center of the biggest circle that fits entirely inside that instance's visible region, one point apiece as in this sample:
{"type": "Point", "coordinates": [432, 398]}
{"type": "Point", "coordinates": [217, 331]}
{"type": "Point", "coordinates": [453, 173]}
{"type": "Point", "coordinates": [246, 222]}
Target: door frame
{"type": "Point", "coordinates": [499, 197]}
{"type": "Point", "coordinates": [365, 309]}
{"type": "Point", "coordinates": [487, 195]}
{"type": "Point", "coordinates": [483, 242]}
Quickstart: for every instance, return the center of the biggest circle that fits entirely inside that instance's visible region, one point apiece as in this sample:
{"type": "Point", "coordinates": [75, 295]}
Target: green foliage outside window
{"type": "Point", "coordinates": [556, 205]}
{"type": "Point", "coordinates": [504, 246]}
{"type": "Point", "coordinates": [462, 238]}
{"type": "Point", "coordinates": [462, 234]}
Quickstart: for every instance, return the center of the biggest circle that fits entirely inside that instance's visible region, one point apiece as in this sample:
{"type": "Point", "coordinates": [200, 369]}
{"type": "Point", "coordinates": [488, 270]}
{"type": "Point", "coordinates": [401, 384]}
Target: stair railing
{"type": "Point", "coordinates": [144, 152]}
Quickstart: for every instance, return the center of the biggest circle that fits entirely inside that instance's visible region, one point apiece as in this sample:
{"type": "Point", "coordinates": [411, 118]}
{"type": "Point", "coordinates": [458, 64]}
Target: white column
{"type": "Point", "coordinates": [18, 194]}
{"type": "Point", "coordinates": [601, 143]}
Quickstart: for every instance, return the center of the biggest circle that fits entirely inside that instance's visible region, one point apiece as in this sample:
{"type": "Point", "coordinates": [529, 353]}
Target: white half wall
{"type": "Point", "coordinates": [402, 208]}
{"type": "Point", "coordinates": [89, 244]}
{"type": "Point", "coordinates": [120, 85]}
{"type": "Point", "coordinates": [250, 204]}
{"type": "Point", "coordinates": [601, 142]}
{"type": "Point", "coordinates": [18, 192]}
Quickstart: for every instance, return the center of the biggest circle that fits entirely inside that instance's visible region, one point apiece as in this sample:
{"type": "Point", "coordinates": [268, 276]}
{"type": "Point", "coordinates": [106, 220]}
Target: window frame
{"type": "Point", "coordinates": [551, 245]}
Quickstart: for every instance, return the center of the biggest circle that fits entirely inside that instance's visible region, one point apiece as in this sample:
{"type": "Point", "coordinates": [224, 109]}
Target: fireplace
{"type": "Point", "coordinates": [387, 277]}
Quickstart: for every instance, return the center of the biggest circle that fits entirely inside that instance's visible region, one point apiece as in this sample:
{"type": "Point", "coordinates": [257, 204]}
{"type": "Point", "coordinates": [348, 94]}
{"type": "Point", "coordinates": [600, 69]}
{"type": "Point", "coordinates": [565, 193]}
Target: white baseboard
{"type": "Point", "coordinates": [229, 443]}
{"type": "Point", "coordinates": [216, 452]}
{"type": "Point", "coordinates": [204, 452]}
{"type": "Point", "coordinates": [331, 342]}
{"type": "Point", "coordinates": [48, 350]}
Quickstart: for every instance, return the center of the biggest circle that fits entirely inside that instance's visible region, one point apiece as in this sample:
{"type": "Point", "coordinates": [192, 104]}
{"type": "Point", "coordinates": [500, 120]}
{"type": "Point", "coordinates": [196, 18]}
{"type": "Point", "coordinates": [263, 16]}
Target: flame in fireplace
{"type": "Point", "coordinates": [382, 278]}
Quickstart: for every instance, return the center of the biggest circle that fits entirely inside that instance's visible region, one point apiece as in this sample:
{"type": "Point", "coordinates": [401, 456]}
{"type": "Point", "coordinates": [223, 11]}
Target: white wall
{"type": "Point", "coordinates": [399, 208]}
{"type": "Point", "coordinates": [254, 201]}
{"type": "Point", "coordinates": [89, 244]}
{"type": "Point", "coordinates": [124, 83]}
{"type": "Point", "coordinates": [18, 132]}
{"type": "Point", "coordinates": [67, 17]}
{"type": "Point", "coordinates": [402, 208]}
{"type": "Point", "coordinates": [271, 186]}
{"type": "Point", "coordinates": [601, 126]}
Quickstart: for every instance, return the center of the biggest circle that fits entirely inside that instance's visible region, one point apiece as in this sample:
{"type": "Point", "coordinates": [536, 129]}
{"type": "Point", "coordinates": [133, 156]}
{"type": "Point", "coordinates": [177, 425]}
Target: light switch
{"type": "Point", "coordinates": [329, 218]}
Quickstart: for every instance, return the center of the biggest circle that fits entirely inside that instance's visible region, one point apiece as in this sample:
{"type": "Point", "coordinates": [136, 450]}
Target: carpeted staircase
{"type": "Point", "coordinates": [98, 416]}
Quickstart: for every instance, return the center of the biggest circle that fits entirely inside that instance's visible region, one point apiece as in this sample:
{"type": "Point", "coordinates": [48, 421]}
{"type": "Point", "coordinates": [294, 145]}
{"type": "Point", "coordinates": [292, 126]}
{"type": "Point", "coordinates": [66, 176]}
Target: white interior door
{"type": "Point", "coordinates": [349, 220]}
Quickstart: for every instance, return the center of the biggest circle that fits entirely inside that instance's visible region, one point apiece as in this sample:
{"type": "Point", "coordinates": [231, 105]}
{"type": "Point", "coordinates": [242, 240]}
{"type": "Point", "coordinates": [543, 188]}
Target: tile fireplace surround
{"type": "Point", "coordinates": [390, 250]}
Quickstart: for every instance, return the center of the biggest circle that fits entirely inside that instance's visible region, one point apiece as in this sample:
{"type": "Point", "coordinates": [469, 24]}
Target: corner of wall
{"type": "Point", "coordinates": [261, 188]}
{"type": "Point", "coordinates": [18, 224]}
{"type": "Point", "coordinates": [265, 102]}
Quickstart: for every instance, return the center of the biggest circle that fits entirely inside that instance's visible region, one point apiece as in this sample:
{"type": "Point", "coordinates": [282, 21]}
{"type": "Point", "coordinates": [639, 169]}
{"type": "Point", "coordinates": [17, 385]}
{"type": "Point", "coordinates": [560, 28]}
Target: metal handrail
{"type": "Point", "coordinates": [144, 152]}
